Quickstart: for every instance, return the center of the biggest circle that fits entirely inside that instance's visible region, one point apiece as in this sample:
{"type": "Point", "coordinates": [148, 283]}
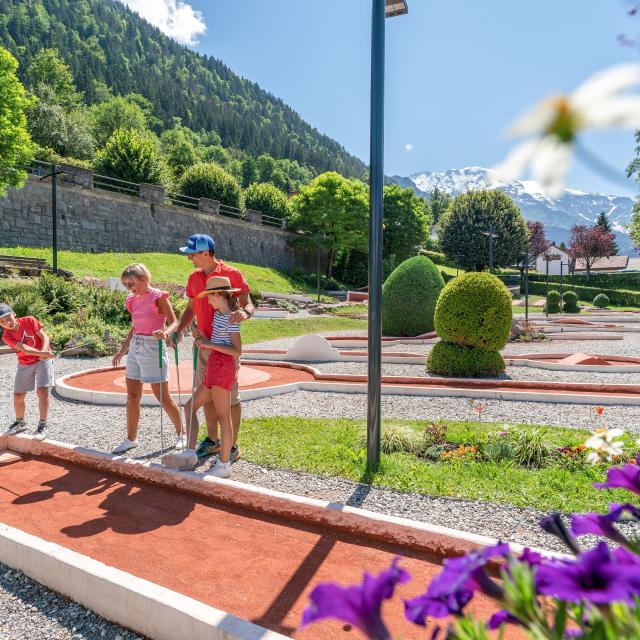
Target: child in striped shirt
{"type": "Point", "coordinates": [222, 372]}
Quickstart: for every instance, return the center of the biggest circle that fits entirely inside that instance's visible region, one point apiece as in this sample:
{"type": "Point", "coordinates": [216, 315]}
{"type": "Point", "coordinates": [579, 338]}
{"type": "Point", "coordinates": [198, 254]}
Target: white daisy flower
{"type": "Point", "coordinates": [604, 445]}
{"type": "Point", "coordinates": [555, 123]}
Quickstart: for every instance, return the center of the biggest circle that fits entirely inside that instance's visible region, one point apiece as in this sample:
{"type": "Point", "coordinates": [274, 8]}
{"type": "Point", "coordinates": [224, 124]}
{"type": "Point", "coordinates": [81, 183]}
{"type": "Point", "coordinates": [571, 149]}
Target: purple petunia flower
{"type": "Point", "coordinates": [602, 525]}
{"type": "Point", "coordinates": [531, 558]}
{"type": "Point", "coordinates": [554, 525]}
{"type": "Point", "coordinates": [597, 576]}
{"type": "Point", "coordinates": [454, 586]}
{"type": "Point", "coordinates": [627, 477]}
{"type": "Point", "coordinates": [499, 618]}
{"type": "Point", "coordinates": [358, 605]}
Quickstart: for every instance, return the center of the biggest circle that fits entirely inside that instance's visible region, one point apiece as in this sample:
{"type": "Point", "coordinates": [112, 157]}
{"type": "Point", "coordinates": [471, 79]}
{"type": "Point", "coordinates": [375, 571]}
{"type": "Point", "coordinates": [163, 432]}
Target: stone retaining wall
{"type": "Point", "coordinates": [94, 220]}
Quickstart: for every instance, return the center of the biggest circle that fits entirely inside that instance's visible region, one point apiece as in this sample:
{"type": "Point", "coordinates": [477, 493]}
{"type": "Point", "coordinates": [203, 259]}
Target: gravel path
{"type": "Point", "coordinates": [512, 373]}
{"type": "Point", "coordinates": [312, 404]}
{"type": "Point", "coordinates": [31, 611]}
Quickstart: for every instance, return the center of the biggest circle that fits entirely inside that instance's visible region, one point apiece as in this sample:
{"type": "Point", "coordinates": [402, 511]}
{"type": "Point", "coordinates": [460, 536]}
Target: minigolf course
{"type": "Point", "coordinates": [267, 372]}
{"type": "Point", "coordinates": [173, 555]}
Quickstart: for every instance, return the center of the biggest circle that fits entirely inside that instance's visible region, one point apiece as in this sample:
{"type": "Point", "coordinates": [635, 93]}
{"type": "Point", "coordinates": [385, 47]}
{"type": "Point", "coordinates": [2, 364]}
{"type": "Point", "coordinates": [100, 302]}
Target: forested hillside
{"type": "Point", "coordinates": [110, 48]}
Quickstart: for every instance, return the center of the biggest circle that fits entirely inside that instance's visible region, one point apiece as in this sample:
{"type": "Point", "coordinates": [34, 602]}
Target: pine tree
{"type": "Point", "coordinates": [602, 221]}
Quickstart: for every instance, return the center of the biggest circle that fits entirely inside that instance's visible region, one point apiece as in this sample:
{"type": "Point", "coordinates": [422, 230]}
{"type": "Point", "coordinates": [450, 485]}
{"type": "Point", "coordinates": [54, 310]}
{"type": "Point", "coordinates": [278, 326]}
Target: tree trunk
{"type": "Point", "coordinates": [330, 258]}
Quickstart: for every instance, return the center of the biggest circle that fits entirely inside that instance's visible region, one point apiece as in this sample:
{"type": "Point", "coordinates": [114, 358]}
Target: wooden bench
{"type": "Point", "coordinates": [33, 266]}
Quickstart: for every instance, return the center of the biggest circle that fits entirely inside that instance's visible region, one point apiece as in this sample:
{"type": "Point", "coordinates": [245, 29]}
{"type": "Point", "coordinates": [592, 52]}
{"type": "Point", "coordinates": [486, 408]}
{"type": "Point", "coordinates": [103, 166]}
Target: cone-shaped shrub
{"type": "Point", "coordinates": [409, 297]}
{"type": "Point", "coordinates": [473, 319]}
{"type": "Point", "coordinates": [553, 300]}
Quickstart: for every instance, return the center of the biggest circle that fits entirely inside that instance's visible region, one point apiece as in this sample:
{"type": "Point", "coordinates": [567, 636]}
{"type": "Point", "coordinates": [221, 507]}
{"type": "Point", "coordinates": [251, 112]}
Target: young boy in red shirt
{"type": "Point", "coordinates": [35, 367]}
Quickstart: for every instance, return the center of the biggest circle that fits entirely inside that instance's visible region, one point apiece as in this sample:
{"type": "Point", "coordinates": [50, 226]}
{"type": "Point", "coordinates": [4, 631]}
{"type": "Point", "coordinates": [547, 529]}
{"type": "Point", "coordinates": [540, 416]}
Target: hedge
{"type": "Point", "coordinates": [619, 297]}
{"type": "Point", "coordinates": [621, 280]}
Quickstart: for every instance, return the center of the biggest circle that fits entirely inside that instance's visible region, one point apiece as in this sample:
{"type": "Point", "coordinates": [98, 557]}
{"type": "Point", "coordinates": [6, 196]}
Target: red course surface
{"type": "Point", "coordinates": [113, 380]}
{"type": "Point", "coordinates": [258, 567]}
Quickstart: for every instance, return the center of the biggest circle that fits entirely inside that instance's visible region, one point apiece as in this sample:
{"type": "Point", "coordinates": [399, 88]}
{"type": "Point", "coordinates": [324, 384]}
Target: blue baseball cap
{"type": "Point", "coordinates": [199, 242]}
{"type": "Point", "coordinates": [5, 310]}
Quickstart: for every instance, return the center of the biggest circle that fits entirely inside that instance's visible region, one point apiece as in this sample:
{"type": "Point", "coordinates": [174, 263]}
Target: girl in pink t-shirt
{"type": "Point", "coordinates": [151, 312]}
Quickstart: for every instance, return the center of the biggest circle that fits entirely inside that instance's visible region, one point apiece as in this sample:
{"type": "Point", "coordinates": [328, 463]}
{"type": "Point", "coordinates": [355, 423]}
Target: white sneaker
{"type": "Point", "coordinates": [221, 469]}
{"type": "Point", "coordinates": [125, 445]}
{"type": "Point", "coordinates": [181, 442]}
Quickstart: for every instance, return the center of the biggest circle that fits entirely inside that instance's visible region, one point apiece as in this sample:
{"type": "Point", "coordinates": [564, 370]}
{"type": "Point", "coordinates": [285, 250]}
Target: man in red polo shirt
{"type": "Point", "coordinates": [201, 252]}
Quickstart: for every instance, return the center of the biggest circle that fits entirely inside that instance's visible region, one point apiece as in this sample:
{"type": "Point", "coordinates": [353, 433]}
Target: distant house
{"type": "Point", "coordinates": [603, 265]}
{"type": "Point", "coordinates": [559, 256]}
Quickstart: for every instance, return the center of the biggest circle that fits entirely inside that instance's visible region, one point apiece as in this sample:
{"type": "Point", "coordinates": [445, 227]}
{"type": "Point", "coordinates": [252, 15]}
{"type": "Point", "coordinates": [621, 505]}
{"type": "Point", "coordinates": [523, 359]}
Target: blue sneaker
{"type": "Point", "coordinates": [235, 454]}
{"type": "Point", "coordinates": [208, 447]}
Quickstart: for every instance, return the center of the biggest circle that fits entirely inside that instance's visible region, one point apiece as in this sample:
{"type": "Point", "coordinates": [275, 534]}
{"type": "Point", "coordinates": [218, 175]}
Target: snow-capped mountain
{"type": "Point", "coordinates": [573, 207]}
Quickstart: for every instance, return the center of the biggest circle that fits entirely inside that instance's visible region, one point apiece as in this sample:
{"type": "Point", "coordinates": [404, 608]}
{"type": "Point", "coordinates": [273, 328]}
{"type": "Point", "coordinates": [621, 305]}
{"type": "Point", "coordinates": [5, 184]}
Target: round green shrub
{"type": "Point", "coordinates": [474, 310]}
{"type": "Point", "coordinates": [208, 180]}
{"type": "Point", "coordinates": [450, 359]}
{"type": "Point", "coordinates": [409, 297]}
{"type": "Point", "coordinates": [133, 156]}
{"type": "Point", "coordinates": [267, 199]}
{"type": "Point", "coordinates": [570, 300]}
{"type": "Point", "coordinates": [553, 301]}
{"type": "Point", "coordinates": [601, 301]}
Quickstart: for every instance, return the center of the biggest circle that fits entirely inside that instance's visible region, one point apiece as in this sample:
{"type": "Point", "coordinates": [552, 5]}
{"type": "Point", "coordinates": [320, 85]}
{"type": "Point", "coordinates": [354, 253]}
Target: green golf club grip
{"type": "Point", "coordinates": [160, 354]}
{"type": "Point", "coordinates": [175, 346]}
{"type": "Point", "coordinates": [195, 357]}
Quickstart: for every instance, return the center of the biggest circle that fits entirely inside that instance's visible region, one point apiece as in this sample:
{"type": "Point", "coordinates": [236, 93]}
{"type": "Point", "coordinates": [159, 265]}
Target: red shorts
{"type": "Point", "coordinates": [222, 371]}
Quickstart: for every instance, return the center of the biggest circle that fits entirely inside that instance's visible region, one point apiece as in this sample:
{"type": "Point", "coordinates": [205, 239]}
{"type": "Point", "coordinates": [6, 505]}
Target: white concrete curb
{"type": "Point", "coordinates": [120, 597]}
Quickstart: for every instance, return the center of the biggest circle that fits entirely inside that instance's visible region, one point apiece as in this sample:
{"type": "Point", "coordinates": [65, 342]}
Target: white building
{"type": "Point", "coordinates": [557, 256]}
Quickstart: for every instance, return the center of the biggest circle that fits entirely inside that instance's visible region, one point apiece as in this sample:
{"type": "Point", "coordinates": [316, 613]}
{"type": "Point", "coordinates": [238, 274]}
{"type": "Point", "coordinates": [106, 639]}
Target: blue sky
{"type": "Point", "coordinates": [458, 72]}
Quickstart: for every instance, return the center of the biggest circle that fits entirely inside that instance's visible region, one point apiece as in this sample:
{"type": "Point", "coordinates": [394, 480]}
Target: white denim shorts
{"type": "Point", "coordinates": [34, 376]}
{"type": "Point", "coordinates": [142, 360]}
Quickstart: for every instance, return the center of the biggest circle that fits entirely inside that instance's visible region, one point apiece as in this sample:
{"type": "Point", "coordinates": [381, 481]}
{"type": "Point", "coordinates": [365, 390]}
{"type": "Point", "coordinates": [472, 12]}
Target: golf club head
{"type": "Point", "coordinates": [179, 460]}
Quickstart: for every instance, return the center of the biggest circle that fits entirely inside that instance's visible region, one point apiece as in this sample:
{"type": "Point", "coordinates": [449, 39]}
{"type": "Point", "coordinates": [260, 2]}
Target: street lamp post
{"type": "Point", "coordinates": [54, 211]}
{"type": "Point", "coordinates": [318, 263]}
{"type": "Point", "coordinates": [491, 236]}
{"type": "Point", "coordinates": [548, 257]}
{"type": "Point", "coordinates": [561, 286]}
{"type": "Point", "coordinates": [526, 283]}
{"type": "Point", "coordinates": [380, 10]}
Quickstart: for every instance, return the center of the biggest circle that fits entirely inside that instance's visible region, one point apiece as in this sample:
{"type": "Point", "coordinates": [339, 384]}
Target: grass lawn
{"type": "Point", "coordinates": [331, 447]}
{"type": "Point", "coordinates": [164, 267]}
{"type": "Point", "coordinates": [349, 310]}
{"type": "Point", "coordinates": [261, 329]}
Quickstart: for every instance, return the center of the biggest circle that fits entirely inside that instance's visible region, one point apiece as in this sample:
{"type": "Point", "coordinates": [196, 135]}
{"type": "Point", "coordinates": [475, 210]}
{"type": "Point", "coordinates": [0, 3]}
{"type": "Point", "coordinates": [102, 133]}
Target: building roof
{"type": "Point", "coordinates": [553, 249]}
{"type": "Point", "coordinates": [613, 263]}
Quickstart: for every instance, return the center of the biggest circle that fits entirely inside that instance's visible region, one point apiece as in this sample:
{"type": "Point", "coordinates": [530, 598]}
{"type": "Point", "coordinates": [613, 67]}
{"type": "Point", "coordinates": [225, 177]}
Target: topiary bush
{"type": "Point", "coordinates": [409, 297]}
{"type": "Point", "coordinates": [601, 301]}
{"type": "Point", "coordinates": [474, 310]}
{"type": "Point", "coordinates": [553, 301]}
{"type": "Point", "coordinates": [473, 319]}
{"type": "Point", "coordinates": [208, 180]}
{"type": "Point", "coordinates": [570, 302]}
{"type": "Point", "coordinates": [450, 359]}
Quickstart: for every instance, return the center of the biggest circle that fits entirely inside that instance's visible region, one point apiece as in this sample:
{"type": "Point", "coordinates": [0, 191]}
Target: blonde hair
{"type": "Point", "coordinates": [136, 270]}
